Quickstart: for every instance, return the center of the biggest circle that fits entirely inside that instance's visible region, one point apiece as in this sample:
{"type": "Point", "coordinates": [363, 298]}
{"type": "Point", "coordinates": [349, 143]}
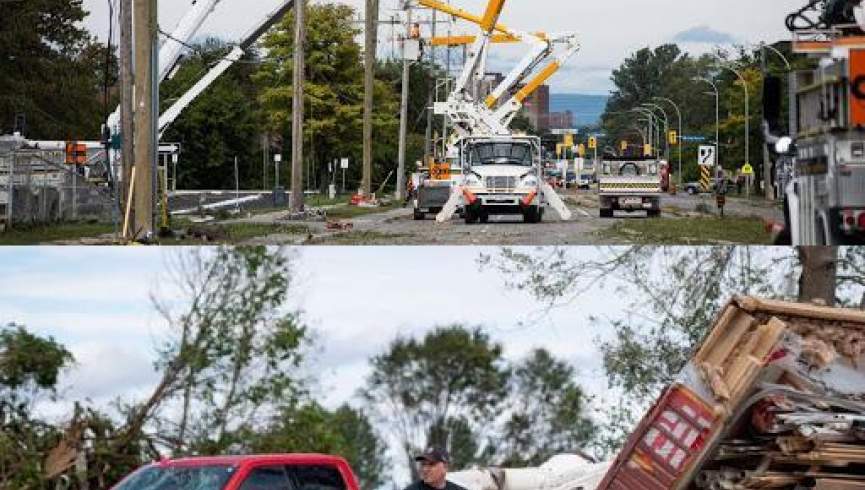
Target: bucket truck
{"type": "Point", "coordinates": [820, 157]}
{"type": "Point", "coordinates": [502, 173]}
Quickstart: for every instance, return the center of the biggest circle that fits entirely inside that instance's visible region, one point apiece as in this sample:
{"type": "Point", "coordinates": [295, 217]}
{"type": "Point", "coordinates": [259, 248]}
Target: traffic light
{"type": "Point", "coordinates": [673, 138]}
{"type": "Point", "coordinates": [593, 143]}
{"type": "Point", "coordinates": [624, 146]}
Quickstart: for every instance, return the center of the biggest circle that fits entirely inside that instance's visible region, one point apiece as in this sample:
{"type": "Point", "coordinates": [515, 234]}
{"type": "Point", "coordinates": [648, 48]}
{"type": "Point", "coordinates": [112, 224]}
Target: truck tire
{"type": "Point", "coordinates": [484, 217]}
{"type": "Point", "coordinates": [532, 215]}
{"type": "Point", "coordinates": [606, 213]}
{"type": "Point", "coordinates": [653, 213]}
{"type": "Point", "coordinates": [419, 215]}
{"type": "Point", "coordinates": [470, 216]}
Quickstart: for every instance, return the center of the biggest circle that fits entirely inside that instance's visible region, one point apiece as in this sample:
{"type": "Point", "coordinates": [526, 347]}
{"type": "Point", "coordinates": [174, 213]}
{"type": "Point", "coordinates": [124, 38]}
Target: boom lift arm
{"type": "Point", "coordinates": [173, 112]}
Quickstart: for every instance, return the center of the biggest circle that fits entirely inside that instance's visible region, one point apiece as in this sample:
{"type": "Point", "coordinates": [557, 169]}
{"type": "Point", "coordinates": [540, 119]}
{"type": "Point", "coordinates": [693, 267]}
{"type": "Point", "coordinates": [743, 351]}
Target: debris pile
{"type": "Point", "coordinates": [773, 398]}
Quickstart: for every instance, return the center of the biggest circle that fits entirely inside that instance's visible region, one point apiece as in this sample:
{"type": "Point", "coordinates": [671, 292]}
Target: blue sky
{"type": "Point", "coordinates": [610, 31]}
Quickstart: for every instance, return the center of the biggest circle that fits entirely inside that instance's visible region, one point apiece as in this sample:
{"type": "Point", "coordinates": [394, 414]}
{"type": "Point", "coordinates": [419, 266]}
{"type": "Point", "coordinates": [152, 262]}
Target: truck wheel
{"type": "Point", "coordinates": [470, 216]}
{"type": "Point", "coordinates": [606, 213]}
{"type": "Point", "coordinates": [531, 215]}
{"type": "Point", "coordinates": [653, 213]}
{"type": "Point", "coordinates": [484, 217]}
{"type": "Point", "coordinates": [419, 215]}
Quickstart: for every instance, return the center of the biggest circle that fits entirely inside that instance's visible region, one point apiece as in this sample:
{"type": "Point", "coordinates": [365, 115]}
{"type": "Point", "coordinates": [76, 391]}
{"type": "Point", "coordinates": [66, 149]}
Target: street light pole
{"type": "Point", "coordinates": [747, 113]}
{"type": "Point", "coordinates": [666, 124]}
{"type": "Point", "coordinates": [679, 137]}
{"type": "Point", "coordinates": [717, 117]}
{"type": "Point", "coordinates": [654, 124]}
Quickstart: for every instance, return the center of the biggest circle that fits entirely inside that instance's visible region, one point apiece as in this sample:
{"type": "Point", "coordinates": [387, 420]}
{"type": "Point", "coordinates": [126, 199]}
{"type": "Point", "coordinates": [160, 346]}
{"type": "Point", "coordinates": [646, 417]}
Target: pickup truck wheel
{"type": "Point", "coordinates": [419, 215]}
{"type": "Point", "coordinates": [691, 191]}
{"type": "Point", "coordinates": [653, 213]}
{"type": "Point", "coordinates": [470, 216]}
{"type": "Point", "coordinates": [531, 215]}
{"type": "Point", "coordinates": [606, 213]}
{"type": "Point", "coordinates": [484, 218]}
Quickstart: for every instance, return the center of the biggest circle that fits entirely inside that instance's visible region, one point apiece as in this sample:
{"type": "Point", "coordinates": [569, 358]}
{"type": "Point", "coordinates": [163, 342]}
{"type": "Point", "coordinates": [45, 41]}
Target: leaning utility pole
{"type": "Point", "coordinates": [297, 108]}
{"type": "Point", "coordinates": [146, 96]}
{"type": "Point", "coordinates": [126, 102]}
{"type": "Point", "coordinates": [368, 87]}
{"type": "Point", "coordinates": [403, 110]}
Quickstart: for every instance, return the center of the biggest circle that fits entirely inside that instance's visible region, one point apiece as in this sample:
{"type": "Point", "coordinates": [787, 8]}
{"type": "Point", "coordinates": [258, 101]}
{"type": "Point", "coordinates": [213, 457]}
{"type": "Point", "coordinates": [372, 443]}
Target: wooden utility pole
{"type": "Point", "coordinates": [370, 35]}
{"type": "Point", "coordinates": [403, 112]}
{"type": "Point", "coordinates": [126, 102]}
{"type": "Point", "coordinates": [297, 107]}
{"type": "Point", "coordinates": [145, 116]}
{"type": "Point", "coordinates": [429, 147]}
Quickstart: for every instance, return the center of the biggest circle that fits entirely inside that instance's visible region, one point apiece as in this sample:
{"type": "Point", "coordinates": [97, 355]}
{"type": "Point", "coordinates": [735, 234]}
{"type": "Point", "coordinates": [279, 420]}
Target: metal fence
{"type": "Point", "coordinates": [37, 187]}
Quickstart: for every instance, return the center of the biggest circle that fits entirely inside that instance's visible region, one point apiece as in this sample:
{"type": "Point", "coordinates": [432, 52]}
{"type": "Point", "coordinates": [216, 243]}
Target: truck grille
{"type": "Point", "coordinates": [498, 183]}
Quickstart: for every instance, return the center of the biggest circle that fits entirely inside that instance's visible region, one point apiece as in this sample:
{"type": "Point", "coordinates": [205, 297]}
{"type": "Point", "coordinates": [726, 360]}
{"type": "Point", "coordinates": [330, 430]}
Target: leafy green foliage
{"type": "Point", "coordinates": [310, 427]}
{"type": "Point", "coordinates": [454, 389]}
{"type": "Point", "coordinates": [50, 70]}
{"type": "Point", "coordinates": [221, 124]}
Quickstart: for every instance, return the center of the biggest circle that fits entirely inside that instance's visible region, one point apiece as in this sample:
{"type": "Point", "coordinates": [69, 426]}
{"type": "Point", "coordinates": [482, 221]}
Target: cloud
{"type": "Point", "coordinates": [703, 35]}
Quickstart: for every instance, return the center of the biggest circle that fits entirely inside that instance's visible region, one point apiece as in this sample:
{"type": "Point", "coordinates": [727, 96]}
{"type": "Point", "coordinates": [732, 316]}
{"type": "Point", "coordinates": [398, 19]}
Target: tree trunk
{"type": "Point", "coordinates": [819, 274]}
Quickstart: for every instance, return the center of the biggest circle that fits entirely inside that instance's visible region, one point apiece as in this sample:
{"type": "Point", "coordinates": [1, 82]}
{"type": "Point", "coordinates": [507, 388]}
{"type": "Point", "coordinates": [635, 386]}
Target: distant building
{"type": "Point", "coordinates": [537, 108]}
{"type": "Point", "coordinates": [561, 120]}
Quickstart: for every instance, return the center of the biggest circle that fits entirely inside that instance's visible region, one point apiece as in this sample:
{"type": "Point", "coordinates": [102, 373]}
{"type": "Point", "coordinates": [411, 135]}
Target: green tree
{"type": "Point", "coordinates": [30, 367]}
{"type": "Point", "coordinates": [50, 69]}
{"type": "Point", "coordinates": [425, 389]}
{"type": "Point", "coordinates": [548, 413]}
{"type": "Point", "coordinates": [221, 124]}
{"type": "Point", "coordinates": [309, 427]}
{"type": "Point", "coordinates": [232, 351]}
{"type": "Point", "coordinates": [333, 95]}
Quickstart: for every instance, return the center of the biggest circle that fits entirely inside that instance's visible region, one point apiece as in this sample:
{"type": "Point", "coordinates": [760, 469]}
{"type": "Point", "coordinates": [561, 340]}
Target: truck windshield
{"type": "Point", "coordinates": [178, 478]}
{"type": "Point", "coordinates": [496, 153]}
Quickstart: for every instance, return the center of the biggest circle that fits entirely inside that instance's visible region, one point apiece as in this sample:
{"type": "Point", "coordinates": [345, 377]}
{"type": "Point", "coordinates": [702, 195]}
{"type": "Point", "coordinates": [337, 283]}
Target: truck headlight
{"type": "Point", "coordinates": [529, 181]}
{"type": "Point", "coordinates": [473, 180]}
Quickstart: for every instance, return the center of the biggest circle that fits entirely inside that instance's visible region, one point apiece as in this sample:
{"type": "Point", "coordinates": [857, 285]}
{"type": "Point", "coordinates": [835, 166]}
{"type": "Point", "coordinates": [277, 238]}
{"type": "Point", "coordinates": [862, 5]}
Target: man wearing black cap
{"type": "Point", "coordinates": [433, 471]}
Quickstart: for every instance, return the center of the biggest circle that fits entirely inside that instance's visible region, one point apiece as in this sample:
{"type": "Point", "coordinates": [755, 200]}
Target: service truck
{"type": "Point", "coordinates": [629, 184]}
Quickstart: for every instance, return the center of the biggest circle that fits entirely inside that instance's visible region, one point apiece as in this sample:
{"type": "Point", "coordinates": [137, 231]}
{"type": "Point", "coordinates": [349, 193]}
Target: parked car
{"type": "Point", "coordinates": [258, 472]}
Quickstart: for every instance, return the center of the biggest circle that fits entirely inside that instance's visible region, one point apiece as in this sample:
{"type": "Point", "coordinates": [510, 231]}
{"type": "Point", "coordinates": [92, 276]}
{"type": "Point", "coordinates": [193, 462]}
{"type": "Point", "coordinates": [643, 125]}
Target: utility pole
{"type": "Point", "coordinates": [297, 107]}
{"type": "Point", "coordinates": [403, 110]}
{"type": "Point", "coordinates": [429, 146]}
{"type": "Point", "coordinates": [126, 101]}
{"type": "Point", "coordinates": [146, 96]}
{"type": "Point", "coordinates": [767, 163]}
{"type": "Point", "coordinates": [370, 44]}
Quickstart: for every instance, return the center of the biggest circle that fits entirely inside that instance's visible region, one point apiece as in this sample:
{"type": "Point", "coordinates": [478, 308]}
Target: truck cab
{"type": "Point", "coordinates": [254, 472]}
{"type": "Point", "coordinates": [629, 184]}
{"type": "Point", "coordinates": [502, 176]}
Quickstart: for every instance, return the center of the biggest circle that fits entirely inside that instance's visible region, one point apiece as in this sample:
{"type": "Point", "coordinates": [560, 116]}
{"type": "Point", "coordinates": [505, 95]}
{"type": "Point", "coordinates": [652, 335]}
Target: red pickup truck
{"type": "Point", "coordinates": [259, 472]}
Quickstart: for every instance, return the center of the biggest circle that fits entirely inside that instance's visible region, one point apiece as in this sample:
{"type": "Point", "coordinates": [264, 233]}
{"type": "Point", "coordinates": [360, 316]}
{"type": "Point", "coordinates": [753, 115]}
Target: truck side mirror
{"type": "Point", "coordinates": [772, 102]}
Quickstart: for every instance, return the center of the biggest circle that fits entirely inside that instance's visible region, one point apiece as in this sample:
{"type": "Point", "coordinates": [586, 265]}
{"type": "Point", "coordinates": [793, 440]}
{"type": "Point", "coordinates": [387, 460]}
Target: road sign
{"type": "Point", "coordinates": [673, 137]}
{"type": "Point", "coordinates": [706, 156]}
{"type": "Point", "coordinates": [692, 139]}
{"type": "Point", "coordinates": [705, 177]}
{"type": "Point", "coordinates": [747, 169]}
{"type": "Point", "coordinates": [593, 142]}
{"type": "Point", "coordinates": [344, 163]}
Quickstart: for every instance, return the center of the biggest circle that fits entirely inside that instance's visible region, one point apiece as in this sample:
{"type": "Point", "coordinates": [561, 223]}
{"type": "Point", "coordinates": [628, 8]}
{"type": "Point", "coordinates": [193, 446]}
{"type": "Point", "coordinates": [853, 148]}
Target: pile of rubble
{"type": "Point", "coordinates": [790, 381]}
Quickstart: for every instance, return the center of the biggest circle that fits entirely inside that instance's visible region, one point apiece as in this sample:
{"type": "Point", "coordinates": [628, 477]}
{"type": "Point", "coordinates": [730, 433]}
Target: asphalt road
{"type": "Point", "coordinates": [397, 227]}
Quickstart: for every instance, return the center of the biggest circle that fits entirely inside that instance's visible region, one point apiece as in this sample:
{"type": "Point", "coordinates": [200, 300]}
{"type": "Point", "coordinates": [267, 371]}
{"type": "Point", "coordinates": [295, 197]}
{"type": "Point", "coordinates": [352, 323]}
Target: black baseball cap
{"type": "Point", "coordinates": [434, 455]}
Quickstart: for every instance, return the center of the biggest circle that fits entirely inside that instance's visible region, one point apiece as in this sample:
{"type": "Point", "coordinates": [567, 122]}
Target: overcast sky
{"type": "Point", "coordinates": [610, 30]}
{"type": "Point", "coordinates": [355, 299]}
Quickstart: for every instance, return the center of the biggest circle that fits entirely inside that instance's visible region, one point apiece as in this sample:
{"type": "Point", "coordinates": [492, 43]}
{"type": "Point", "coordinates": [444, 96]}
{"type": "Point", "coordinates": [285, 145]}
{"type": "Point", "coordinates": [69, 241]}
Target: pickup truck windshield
{"type": "Point", "coordinates": [175, 478]}
{"type": "Point", "coordinates": [495, 153]}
